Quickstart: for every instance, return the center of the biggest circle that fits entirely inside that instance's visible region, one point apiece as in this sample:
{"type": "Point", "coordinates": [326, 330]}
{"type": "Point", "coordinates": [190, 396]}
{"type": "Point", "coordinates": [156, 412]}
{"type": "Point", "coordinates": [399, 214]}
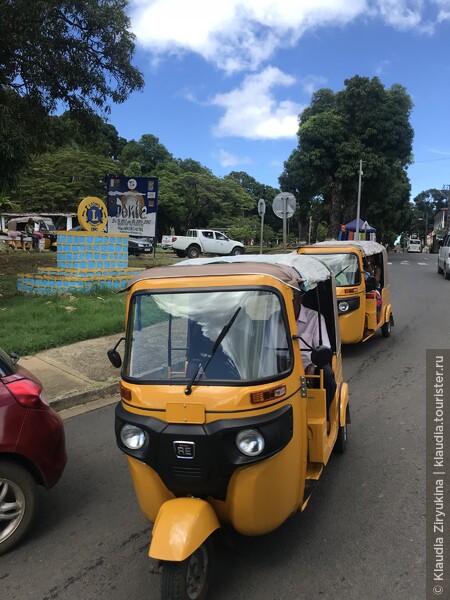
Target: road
{"type": "Point", "coordinates": [362, 535]}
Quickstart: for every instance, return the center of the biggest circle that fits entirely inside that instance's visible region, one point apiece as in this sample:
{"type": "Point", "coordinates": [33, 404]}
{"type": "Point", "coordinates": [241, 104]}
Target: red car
{"type": "Point", "coordinates": [32, 448]}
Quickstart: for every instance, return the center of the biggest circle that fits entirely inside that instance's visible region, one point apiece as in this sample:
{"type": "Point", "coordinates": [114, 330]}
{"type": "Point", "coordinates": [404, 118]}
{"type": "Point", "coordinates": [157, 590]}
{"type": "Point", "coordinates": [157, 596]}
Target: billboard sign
{"type": "Point", "coordinates": [132, 205]}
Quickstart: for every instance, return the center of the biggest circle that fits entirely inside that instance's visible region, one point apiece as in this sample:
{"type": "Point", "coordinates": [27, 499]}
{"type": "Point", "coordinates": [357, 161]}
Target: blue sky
{"type": "Point", "coordinates": [225, 82]}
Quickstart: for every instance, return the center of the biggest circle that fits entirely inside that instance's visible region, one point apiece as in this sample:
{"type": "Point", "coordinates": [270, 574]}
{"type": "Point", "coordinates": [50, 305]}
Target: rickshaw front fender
{"type": "Point", "coordinates": [182, 525]}
{"type": "Point", "coordinates": [387, 313]}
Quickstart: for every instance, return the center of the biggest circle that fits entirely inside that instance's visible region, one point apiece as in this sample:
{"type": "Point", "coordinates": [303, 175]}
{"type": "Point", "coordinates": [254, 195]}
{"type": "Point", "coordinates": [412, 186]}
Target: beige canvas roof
{"type": "Point", "coordinates": [292, 269]}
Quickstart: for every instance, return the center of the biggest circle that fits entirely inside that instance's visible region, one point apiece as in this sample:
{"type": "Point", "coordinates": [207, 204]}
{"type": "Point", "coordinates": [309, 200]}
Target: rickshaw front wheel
{"type": "Point", "coordinates": [190, 578]}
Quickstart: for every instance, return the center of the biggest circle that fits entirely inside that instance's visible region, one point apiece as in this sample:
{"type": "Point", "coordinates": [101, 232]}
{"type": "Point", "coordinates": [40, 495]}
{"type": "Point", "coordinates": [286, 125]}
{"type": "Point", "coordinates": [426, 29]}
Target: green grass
{"type": "Point", "coordinates": [29, 324]}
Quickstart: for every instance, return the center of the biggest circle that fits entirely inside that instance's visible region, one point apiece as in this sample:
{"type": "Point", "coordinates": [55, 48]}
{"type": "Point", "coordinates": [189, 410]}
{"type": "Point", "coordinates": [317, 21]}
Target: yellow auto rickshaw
{"type": "Point", "coordinates": [42, 225]}
{"type": "Point", "coordinates": [362, 285]}
{"type": "Point", "coordinates": [219, 423]}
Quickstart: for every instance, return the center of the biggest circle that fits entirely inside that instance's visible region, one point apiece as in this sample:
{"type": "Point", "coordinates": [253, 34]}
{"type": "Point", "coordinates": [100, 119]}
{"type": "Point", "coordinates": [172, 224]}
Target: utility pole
{"type": "Point", "coordinates": [359, 201]}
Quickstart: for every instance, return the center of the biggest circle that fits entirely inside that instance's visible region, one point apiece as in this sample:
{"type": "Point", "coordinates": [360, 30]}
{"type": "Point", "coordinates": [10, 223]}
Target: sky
{"type": "Point", "coordinates": [226, 81]}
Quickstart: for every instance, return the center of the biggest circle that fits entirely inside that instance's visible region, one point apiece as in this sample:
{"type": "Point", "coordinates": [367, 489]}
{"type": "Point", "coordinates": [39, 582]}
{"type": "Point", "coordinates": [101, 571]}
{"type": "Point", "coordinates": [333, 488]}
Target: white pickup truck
{"type": "Point", "coordinates": [205, 241]}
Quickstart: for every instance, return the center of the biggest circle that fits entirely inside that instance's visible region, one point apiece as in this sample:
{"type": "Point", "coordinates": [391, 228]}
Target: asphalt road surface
{"type": "Point", "coordinates": [361, 537]}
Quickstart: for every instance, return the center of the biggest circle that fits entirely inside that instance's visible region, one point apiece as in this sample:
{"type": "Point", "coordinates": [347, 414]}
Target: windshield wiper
{"type": "Point", "coordinates": [341, 271]}
{"type": "Point", "coordinates": [216, 344]}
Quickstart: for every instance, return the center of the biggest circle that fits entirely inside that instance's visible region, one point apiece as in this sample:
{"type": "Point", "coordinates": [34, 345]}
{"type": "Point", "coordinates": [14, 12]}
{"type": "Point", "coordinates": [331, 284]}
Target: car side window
{"type": "Point", "coordinates": [220, 236]}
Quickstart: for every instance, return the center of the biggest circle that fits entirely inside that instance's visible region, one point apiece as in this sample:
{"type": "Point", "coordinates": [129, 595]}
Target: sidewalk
{"type": "Point", "coordinates": [76, 374]}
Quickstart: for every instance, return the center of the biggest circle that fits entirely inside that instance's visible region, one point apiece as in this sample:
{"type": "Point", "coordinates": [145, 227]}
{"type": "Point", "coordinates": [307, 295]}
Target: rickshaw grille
{"type": "Point", "coordinates": [188, 472]}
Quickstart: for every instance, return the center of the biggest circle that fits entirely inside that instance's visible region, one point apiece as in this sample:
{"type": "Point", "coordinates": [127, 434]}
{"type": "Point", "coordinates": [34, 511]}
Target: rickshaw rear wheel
{"type": "Point", "coordinates": [386, 328]}
{"type": "Point", "coordinates": [190, 578]}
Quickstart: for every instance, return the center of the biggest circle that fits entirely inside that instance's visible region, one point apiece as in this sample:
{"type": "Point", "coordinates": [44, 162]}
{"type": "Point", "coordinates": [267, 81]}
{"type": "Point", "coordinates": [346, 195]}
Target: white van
{"type": "Point", "coordinates": [414, 245]}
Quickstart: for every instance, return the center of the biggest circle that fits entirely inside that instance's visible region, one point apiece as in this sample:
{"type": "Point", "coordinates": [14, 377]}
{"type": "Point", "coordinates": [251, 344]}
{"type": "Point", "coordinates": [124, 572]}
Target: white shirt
{"type": "Point", "coordinates": [308, 329]}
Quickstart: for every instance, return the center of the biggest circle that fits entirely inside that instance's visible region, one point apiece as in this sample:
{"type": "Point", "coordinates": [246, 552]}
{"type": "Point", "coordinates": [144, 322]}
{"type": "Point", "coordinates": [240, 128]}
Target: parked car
{"type": "Point", "coordinates": [443, 265]}
{"type": "Point", "coordinates": [138, 245]}
{"type": "Point", "coordinates": [32, 448]}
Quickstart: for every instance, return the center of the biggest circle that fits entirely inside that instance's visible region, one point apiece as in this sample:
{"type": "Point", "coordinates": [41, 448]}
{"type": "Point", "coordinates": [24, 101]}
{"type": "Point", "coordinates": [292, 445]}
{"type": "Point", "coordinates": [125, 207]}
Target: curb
{"type": "Point", "coordinates": [80, 398]}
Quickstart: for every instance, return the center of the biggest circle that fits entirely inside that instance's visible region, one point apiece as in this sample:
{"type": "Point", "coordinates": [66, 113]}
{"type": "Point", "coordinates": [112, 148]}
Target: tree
{"type": "Point", "coordinates": [257, 190]}
{"type": "Point", "coordinates": [74, 53]}
{"type": "Point", "coordinates": [192, 200]}
{"type": "Point", "coordinates": [6, 204]}
{"type": "Point", "coordinates": [363, 121]}
{"type": "Point", "coordinates": [59, 180]}
{"type": "Point", "coordinates": [149, 153]}
{"type": "Point", "coordinates": [422, 210]}
{"type": "Point", "coordinates": [84, 130]}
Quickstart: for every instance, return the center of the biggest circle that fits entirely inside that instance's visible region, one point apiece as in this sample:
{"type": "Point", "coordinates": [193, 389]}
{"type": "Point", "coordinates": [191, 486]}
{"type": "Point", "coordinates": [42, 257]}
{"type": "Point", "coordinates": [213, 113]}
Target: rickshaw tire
{"type": "Point", "coordinates": [175, 574]}
{"type": "Point", "coordinates": [446, 273]}
{"type": "Point", "coordinates": [386, 328]}
{"type": "Point", "coordinates": [439, 270]}
{"type": "Point", "coordinates": [341, 441]}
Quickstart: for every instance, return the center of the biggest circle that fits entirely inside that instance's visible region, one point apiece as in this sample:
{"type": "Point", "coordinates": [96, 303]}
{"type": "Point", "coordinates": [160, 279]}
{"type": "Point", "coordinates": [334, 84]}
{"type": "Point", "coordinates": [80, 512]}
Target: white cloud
{"type": "Point", "coordinates": [241, 34]}
{"type": "Point", "coordinates": [443, 7]}
{"type": "Point", "coordinates": [251, 111]}
{"type": "Point", "coordinates": [227, 159]}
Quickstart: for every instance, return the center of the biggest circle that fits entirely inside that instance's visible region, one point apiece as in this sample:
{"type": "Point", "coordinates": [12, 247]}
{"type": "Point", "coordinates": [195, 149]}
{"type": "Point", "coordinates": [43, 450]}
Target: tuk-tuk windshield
{"type": "Point", "coordinates": [171, 336]}
{"type": "Point", "coordinates": [345, 267]}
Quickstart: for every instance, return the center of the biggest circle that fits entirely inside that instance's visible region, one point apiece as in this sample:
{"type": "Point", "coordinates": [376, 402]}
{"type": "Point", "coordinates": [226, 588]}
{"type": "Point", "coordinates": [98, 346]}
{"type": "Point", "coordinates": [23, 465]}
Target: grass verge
{"type": "Point", "coordinates": [29, 324]}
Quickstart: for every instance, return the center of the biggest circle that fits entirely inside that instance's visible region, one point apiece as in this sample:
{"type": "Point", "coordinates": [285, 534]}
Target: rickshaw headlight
{"type": "Point", "coordinates": [343, 307]}
{"type": "Point", "coordinates": [132, 437]}
{"type": "Point", "coordinates": [250, 442]}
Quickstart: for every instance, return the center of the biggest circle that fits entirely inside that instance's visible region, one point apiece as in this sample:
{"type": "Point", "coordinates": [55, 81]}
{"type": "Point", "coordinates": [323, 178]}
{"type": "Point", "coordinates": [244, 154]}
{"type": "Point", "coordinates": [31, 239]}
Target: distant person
{"type": "Point", "coordinates": [30, 232]}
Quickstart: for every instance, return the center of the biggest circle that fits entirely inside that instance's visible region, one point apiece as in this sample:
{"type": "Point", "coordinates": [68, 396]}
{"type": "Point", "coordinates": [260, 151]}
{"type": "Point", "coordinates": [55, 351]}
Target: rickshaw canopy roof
{"type": "Point", "coordinates": [295, 270]}
{"type": "Point", "coordinates": [367, 248]}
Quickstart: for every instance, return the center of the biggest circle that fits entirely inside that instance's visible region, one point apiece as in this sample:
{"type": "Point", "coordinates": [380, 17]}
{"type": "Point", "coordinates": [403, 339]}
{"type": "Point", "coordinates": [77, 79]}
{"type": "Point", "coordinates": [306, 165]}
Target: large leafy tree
{"type": "Point", "coordinates": [77, 53]}
{"type": "Point", "coordinates": [142, 158]}
{"type": "Point", "coordinates": [90, 132]}
{"type": "Point", "coordinates": [59, 180]}
{"type": "Point", "coordinates": [191, 199]}
{"type": "Point", "coordinates": [258, 191]}
{"type": "Point", "coordinates": [367, 122]}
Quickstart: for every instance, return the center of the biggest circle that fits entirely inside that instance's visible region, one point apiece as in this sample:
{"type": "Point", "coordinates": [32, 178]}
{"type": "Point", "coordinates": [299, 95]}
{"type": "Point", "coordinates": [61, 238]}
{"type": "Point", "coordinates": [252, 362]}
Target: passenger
{"type": "Point", "coordinates": [371, 269]}
{"type": "Point", "coordinates": [308, 331]}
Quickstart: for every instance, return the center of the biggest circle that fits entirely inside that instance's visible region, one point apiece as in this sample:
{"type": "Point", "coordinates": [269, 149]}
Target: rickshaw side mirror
{"type": "Point", "coordinates": [321, 356]}
{"type": "Point", "coordinates": [114, 358]}
{"type": "Point", "coordinates": [371, 284]}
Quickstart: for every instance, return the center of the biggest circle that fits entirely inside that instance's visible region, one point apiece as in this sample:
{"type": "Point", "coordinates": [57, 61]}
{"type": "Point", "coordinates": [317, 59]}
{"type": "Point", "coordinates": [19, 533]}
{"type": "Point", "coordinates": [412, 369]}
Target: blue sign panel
{"type": "Point", "coordinates": [132, 205]}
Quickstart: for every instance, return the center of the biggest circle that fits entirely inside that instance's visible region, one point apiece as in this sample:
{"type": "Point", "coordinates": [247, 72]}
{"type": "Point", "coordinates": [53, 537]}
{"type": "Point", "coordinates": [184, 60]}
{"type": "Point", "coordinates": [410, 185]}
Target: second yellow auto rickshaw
{"type": "Point", "coordinates": [362, 286]}
{"type": "Point", "coordinates": [219, 423]}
